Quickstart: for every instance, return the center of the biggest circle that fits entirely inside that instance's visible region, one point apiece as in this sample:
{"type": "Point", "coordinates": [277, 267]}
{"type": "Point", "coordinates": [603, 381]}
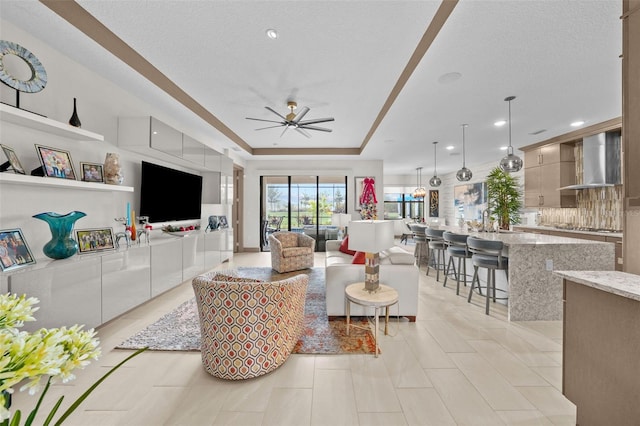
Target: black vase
{"type": "Point", "coordinates": [75, 120]}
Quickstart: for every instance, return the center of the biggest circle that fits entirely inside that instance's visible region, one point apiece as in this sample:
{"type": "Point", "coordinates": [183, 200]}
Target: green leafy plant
{"type": "Point", "coordinates": [29, 358]}
{"type": "Point", "coordinates": [505, 198]}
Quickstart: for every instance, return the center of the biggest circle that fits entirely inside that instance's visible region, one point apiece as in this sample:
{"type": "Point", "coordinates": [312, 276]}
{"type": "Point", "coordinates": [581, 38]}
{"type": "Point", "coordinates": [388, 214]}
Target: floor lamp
{"type": "Point", "coordinates": [371, 237]}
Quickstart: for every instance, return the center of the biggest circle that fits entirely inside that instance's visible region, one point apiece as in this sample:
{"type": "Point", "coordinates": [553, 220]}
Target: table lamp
{"type": "Point", "coordinates": [371, 237]}
{"type": "Point", "coordinates": [341, 220]}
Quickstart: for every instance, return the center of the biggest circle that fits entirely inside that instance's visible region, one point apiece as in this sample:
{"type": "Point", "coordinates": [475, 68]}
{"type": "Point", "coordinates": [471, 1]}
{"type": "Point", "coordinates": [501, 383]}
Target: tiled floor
{"type": "Point", "coordinates": [453, 366]}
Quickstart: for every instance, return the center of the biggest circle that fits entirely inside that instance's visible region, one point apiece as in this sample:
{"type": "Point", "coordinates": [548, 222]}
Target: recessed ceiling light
{"type": "Point", "coordinates": [504, 148]}
{"type": "Point", "coordinates": [577, 123]}
{"type": "Point", "coordinates": [449, 77]}
{"type": "Point", "coordinates": [450, 147]}
{"type": "Point", "coordinates": [500, 123]}
{"type": "Point", "coordinates": [272, 34]}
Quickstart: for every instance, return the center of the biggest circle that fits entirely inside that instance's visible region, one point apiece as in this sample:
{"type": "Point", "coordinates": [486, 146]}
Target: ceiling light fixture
{"type": "Point", "coordinates": [419, 192]}
{"type": "Point", "coordinates": [464, 174]}
{"type": "Point", "coordinates": [577, 123]}
{"type": "Point", "coordinates": [511, 162]}
{"type": "Point", "coordinates": [450, 147]}
{"type": "Point", "coordinates": [272, 34]}
{"type": "Point", "coordinates": [435, 181]}
{"type": "Point", "coordinates": [500, 123]}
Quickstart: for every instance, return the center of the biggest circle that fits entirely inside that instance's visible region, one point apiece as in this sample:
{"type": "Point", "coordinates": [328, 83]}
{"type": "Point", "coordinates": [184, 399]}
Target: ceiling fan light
{"type": "Point", "coordinates": [435, 181]}
{"type": "Point", "coordinates": [464, 175]}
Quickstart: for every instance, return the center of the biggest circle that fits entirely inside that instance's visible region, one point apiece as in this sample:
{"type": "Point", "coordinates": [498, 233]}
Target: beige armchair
{"type": "Point", "coordinates": [248, 327]}
{"type": "Point", "coordinates": [291, 251]}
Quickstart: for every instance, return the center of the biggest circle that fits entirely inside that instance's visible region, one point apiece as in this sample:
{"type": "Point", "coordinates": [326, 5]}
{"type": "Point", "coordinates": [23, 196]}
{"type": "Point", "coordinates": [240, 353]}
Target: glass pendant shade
{"type": "Point", "coordinates": [419, 192]}
{"type": "Point", "coordinates": [464, 174]}
{"type": "Point", "coordinates": [435, 180]}
{"type": "Point", "coordinates": [511, 162]}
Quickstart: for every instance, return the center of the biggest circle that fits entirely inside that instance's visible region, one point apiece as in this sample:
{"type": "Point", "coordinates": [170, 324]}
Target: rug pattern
{"type": "Point", "coordinates": [179, 330]}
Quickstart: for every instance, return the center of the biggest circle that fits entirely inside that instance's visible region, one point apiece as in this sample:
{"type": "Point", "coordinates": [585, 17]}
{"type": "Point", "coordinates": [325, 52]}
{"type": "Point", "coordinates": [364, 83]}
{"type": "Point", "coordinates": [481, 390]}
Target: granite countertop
{"type": "Point", "coordinates": [615, 282]}
{"type": "Point", "coordinates": [511, 238]}
{"type": "Point", "coordinates": [575, 231]}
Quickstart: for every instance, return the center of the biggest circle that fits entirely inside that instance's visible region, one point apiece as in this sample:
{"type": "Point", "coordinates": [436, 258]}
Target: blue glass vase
{"type": "Point", "coordinates": [61, 245]}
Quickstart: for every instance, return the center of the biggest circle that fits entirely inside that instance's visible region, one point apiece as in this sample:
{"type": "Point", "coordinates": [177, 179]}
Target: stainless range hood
{"type": "Point", "coordinates": [600, 161]}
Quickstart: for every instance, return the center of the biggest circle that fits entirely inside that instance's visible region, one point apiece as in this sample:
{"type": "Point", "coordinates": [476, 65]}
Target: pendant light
{"type": "Point", "coordinates": [435, 180]}
{"type": "Point", "coordinates": [511, 162]}
{"type": "Point", "coordinates": [464, 174]}
{"type": "Point", "coordinates": [419, 192]}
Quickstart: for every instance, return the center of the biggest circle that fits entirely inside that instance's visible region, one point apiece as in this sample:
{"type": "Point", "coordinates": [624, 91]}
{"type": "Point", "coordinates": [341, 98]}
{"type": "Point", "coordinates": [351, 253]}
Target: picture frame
{"type": "Point", "coordinates": [470, 200]}
{"type": "Point", "coordinates": [222, 222]}
{"type": "Point", "coordinates": [56, 162]}
{"type": "Point", "coordinates": [14, 250]}
{"type": "Point", "coordinates": [12, 159]}
{"type": "Point", "coordinates": [92, 172]}
{"type": "Point", "coordinates": [93, 240]}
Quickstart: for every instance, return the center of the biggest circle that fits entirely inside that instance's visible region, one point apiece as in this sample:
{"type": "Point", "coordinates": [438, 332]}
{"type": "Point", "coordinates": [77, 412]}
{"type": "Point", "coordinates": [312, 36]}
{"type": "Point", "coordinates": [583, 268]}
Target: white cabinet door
{"type": "Point", "coordinates": [192, 150]}
{"type": "Point", "coordinates": [192, 256]}
{"type": "Point", "coordinates": [126, 281]}
{"type": "Point", "coordinates": [165, 138]}
{"type": "Point", "coordinates": [213, 245]}
{"type": "Point", "coordinates": [69, 294]}
{"type": "Point", "coordinates": [166, 266]}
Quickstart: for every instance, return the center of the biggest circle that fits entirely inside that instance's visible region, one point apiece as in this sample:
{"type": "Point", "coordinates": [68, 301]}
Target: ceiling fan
{"type": "Point", "coordinates": [295, 121]}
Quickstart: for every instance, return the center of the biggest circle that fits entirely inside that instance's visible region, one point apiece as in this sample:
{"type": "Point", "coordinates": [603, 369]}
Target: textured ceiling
{"type": "Point", "coordinates": [343, 59]}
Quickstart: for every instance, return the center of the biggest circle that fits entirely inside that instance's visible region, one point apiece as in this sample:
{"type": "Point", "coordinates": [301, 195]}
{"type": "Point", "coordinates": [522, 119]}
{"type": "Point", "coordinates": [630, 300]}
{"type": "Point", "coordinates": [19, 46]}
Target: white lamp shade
{"type": "Point", "coordinates": [370, 236]}
{"type": "Point", "coordinates": [340, 219]}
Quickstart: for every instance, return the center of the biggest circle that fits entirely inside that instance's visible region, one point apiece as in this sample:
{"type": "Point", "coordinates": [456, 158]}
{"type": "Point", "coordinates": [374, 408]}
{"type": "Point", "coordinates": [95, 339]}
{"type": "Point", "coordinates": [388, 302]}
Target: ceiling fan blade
{"type": "Point", "coordinates": [268, 121]}
{"type": "Point", "coordinates": [322, 129]}
{"type": "Point", "coordinates": [269, 127]}
{"type": "Point", "coordinates": [301, 114]}
{"type": "Point", "coordinates": [317, 120]}
{"type": "Point", "coordinates": [276, 113]}
{"type": "Point", "coordinates": [284, 131]}
{"type": "Point", "coordinates": [302, 132]}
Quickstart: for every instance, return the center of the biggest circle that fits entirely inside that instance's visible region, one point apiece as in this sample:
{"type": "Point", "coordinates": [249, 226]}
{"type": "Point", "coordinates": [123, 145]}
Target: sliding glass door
{"type": "Point", "coordinates": [302, 204]}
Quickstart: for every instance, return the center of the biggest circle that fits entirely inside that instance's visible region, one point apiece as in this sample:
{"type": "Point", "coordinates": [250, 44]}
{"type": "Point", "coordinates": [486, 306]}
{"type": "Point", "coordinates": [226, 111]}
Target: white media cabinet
{"type": "Point", "coordinates": [89, 289]}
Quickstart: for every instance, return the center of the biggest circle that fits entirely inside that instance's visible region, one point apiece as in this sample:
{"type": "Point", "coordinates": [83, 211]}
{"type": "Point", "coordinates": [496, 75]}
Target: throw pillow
{"type": "Point", "coordinates": [358, 258]}
{"type": "Point", "coordinates": [344, 247]}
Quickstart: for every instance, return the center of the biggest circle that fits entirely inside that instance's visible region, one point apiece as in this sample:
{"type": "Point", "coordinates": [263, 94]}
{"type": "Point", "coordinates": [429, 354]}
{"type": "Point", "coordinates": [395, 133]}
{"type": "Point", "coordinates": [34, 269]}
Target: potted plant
{"type": "Point", "coordinates": [504, 197]}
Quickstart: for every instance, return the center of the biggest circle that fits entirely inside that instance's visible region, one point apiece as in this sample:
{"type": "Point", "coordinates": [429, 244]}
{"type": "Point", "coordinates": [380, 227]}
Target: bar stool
{"type": "Point", "coordinates": [420, 239]}
{"type": "Point", "coordinates": [456, 248]}
{"type": "Point", "coordinates": [486, 254]}
{"type": "Point", "coordinates": [437, 245]}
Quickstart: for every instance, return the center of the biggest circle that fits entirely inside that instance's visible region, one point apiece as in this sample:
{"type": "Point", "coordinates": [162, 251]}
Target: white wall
{"type": "Point", "coordinates": [257, 168]}
{"type": "Point", "coordinates": [100, 103]}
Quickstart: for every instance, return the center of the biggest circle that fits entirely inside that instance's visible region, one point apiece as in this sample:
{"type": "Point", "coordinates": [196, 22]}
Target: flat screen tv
{"type": "Point", "coordinates": [168, 195]}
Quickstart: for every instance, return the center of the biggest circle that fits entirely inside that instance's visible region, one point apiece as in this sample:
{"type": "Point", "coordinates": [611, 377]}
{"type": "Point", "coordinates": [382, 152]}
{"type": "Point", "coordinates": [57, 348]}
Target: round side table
{"type": "Point", "coordinates": [384, 297]}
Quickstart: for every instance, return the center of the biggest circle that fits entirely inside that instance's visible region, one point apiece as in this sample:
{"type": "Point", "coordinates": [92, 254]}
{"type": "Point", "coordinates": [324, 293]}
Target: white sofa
{"type": "Point", "coordinates": [397, 270]}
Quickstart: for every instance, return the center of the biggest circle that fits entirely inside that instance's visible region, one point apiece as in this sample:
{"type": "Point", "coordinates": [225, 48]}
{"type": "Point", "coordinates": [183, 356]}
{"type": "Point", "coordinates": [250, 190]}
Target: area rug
{"type": "Point", "coordinates": [179, 330]}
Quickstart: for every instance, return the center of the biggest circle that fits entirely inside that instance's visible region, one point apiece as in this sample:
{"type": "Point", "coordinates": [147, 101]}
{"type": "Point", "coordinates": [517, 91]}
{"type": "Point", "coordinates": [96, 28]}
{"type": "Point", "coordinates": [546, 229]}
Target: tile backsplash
{"type": "Point", "coordinates": [601, 208]}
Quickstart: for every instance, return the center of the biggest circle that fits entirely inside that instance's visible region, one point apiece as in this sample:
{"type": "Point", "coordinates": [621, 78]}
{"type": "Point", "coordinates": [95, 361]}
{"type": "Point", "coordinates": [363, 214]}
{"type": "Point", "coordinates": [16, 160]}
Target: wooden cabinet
{"type": "Point", "coordinates": [619, 257]}
{"type": "Point", "coordinates": [548, 168]}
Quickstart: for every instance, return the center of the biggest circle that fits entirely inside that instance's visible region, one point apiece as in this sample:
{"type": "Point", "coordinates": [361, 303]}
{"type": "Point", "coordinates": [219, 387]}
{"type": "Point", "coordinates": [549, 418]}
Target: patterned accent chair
{"type": "Point", "coordinates": [248, 327]}
{"type": "Point", "coordinates": [291, 251]}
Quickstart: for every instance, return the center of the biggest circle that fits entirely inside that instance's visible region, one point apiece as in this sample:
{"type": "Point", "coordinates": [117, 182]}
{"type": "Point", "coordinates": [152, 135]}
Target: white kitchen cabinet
{"type": "Point", "coordinates": [192, 150]}
{"type": "Point", "coordinates": [193, 256]}
{"type": "Point", "coordinates": [126, 281]}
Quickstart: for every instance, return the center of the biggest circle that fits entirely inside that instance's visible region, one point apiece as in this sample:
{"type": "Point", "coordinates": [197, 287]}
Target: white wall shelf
{"type": "Point", "coordinates": [18, 179]}
{"type": "Point", "coordinates": [44, 124]}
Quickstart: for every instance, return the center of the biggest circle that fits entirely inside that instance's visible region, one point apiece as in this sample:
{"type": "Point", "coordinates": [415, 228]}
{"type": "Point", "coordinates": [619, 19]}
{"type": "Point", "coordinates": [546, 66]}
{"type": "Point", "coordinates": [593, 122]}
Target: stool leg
{"type": "Point", "coordinates": [458, 278]}
{"type": "Point", "coordinates": [464, 268]}
{"type": "Point", "coordinates": [493, 280]}
{"type": "Point", "coordinates": [428, 258]}
{"type": "Point", "coordinates": [437, 264]}
{"type": "Point", "coordinates": [473, 282]}
{"type": "Point", "coordinates": [486, 311]}
{"type": "Point", "coordinates": [446, 275]}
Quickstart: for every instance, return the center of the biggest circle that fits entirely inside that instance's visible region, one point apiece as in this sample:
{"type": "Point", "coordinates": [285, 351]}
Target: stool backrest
{"type": "Point", "coordinates": [417, 229]}
{"type": "Point", "coordinates": [454, 239]}
{"type": "Point", "coordinates": [486, 247]}
{"type": "Point", "coordinates": [434, 233]}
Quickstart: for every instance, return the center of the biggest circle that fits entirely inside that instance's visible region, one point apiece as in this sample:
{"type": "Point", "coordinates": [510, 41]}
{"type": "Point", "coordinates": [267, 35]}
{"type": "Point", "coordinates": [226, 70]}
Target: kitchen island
{"type": "Point", "coordinates": [534, 292]}
{"type": "Point", "coordinates": [600, 346]}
